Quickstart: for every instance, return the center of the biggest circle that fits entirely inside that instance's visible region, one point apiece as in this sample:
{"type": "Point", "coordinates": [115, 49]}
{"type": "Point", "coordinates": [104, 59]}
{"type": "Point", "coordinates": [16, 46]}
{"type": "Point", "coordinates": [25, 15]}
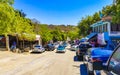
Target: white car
{"type": "Point", "coordinates": [38, 48]}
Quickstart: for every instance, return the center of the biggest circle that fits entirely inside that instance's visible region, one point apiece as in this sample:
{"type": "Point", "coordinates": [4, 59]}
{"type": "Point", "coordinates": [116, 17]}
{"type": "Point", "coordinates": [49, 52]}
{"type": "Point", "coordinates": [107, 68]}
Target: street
{"type": "Point", "coordinates": [47, 63]}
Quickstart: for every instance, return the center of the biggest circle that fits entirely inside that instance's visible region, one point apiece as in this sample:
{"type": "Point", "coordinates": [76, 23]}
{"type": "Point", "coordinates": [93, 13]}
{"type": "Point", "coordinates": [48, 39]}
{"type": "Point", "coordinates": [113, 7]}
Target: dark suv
{"type": "Point", "coordinates": [49, 47]}
{"type": "Point", "coordinates": [83, 47]}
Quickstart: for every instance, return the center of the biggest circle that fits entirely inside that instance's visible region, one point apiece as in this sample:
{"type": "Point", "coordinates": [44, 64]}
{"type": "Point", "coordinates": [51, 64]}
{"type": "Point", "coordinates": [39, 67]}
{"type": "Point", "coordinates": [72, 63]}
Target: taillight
{"type": "Point", "coordinates": [78, 51]}
{"type": "Point", "coordinates": [95, 60]}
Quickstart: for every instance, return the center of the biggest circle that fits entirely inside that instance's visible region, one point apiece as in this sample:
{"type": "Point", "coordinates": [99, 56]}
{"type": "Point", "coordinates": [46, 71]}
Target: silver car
{"type": "Point", "coordinates": [74, 47]}
{"type": "Point", "coordinates": [38, 48]}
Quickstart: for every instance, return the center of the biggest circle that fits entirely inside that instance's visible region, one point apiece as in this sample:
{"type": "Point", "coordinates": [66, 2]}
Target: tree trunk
{"type": "Point", "coordinates": [17, 41]}
{"type": "Point", "coordinates": [23, 44]}
{"type": "Point", "coordinates": [31, 45]}
{"type": "Point", "coordinates": [7, 42]}
{"type": "Point", "coordinates": [20, 44]}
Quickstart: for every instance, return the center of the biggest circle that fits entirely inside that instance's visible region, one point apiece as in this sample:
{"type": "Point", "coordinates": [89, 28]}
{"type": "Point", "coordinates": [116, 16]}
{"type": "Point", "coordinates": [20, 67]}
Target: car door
{"type": "Point", "coordinates": [114, 62]}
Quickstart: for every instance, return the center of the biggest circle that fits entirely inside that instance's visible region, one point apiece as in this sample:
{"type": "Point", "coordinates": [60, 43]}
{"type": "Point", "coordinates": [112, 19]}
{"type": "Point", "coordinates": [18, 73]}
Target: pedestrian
{"type": "Point", "coordinates": [13, 46]}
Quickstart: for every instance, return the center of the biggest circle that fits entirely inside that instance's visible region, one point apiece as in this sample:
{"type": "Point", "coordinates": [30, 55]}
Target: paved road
{"type": "Point", "coordinates": [48, 63]}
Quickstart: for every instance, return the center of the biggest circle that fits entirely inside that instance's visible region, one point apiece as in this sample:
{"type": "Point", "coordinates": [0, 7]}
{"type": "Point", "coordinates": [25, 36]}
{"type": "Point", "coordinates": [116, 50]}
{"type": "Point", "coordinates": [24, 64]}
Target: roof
{"type": "Point", "coordinates": [99, 23]}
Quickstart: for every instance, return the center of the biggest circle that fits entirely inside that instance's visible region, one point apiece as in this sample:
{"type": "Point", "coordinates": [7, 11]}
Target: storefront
{"type": "Point", "coordinates": [2, 42]}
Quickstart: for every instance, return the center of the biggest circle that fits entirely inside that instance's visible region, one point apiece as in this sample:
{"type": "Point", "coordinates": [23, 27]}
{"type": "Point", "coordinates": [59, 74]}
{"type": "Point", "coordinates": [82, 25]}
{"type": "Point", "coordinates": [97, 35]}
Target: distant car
{"type": "Point", "coordinates": [74, 47]}
{"type": "Point", "coordinates": [38, 48]}
{"type": "Point", "coordinates": [61, 48]}
{"type": "Point", "coordinates": [49, 47]}
{"type": "Point", "coordinates": [64, 44]}
{"type": "Point", "coordinates": [56, 45]}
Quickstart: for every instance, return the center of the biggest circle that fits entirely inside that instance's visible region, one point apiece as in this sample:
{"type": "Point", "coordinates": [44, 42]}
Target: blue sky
{"type": "Point", "coordinates": [60, 11]}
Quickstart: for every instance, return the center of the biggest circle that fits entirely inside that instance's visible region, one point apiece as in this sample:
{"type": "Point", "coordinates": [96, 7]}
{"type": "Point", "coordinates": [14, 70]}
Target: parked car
{"type": "Point", "coordinates": [111, 64]}
{"type": "Point", "coordinates": [37, 48]}
{"type": "Point", "coordinates": [95, 58]}
{"type": "Point", "coordinates": [64, 44]}
{"type": "Point", "coordinates": [56, 45]}
{"type": "Point", "coordinates": [61, 48]}
{"type": "Point", "coordinates": [74, 47]}
{"type": "Point", "coordinates": [83, 47]}
{"type": "Point", "coordinates": [49, 47]}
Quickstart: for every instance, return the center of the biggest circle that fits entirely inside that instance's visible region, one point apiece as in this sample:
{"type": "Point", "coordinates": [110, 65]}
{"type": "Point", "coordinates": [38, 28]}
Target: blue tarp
{"type": "Point", "coordinates": [101, 54]}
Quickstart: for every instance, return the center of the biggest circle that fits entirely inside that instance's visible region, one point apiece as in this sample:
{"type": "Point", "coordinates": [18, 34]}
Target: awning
{"type": "Point", "coordinates": [83, 40]}
{"type": "Point", "coordinates": [90, 36]}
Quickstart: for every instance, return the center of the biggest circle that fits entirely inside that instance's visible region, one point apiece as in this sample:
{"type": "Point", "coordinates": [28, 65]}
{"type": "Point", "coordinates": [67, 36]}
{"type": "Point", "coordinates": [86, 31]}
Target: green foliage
{"type": "Point", "coordinates": [7, 1]}
{"type": "Point", "coordinates": [7, 16]}
{"type": "Point", "coordinates": [116, 16]}
{"type": "Point", "coordinates": [45, 33]}
{"type": "Point", "coordinates": [84, 24]}
{"type": "Point", "coordinates": [12, 23]}
{"type": "Point", "coordinates": [109, 10]}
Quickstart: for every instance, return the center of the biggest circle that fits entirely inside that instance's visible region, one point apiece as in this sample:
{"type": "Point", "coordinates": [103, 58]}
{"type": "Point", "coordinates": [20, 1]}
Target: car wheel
{"type": "Point", "coordinates": [90, 72]}
{"type": "Point", "coordinates": [80, 58]}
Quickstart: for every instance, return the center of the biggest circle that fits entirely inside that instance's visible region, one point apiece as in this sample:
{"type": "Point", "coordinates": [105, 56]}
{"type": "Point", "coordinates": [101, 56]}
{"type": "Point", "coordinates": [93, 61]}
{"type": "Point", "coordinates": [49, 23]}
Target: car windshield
{"type": "Point", "coordinates": [38, 46]}
{"type": "Point", "coordinates": [60, 46]}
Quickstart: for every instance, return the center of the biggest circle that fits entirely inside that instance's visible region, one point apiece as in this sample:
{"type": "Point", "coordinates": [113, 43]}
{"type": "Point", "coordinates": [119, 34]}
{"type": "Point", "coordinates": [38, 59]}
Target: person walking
{"type": "Point", "coordinates": [13, 46]}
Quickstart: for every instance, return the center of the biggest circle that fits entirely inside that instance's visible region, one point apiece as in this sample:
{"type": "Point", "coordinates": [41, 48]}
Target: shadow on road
{"type": "Point", "coordinates": [76, 66]}
{"type": "Point", "coordinates": [36, 53]}
{"type": "Point", "coordinates": [60, 52]}
{"type": "Point", "coordinates": [82, 68]}
{"type": "Point", "coordinates": [3, 49]}
{"type": "Point", "coordinates": [68, 48]}
{"type": "Point", "coordinates": [76, 59]}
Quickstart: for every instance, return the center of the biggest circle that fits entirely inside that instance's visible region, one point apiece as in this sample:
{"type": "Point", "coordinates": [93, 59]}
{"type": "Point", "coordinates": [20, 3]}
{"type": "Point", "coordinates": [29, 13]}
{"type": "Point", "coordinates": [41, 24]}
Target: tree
{"type": "Point", "coordinates": [45, 33]}
{"type": "Point", "coordinates": [10, 2]}
{"type": "Point", "coordinates": [7, 15]}
{"type": "Point", "coordinates": [116, 16]}
{"type": "Point", "coordinates": [84, 25]}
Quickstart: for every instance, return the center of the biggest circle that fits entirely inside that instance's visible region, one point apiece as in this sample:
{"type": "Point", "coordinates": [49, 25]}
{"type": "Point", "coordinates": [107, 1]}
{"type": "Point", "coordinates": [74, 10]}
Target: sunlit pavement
{"type": "Point", "coordinates": [47, 63]}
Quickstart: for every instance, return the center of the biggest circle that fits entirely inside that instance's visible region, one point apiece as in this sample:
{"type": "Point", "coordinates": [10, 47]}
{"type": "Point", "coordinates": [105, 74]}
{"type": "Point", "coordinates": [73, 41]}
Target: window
{"type": "Point", "coordinates": [101, 28]}
{"type": "Point", "coordinates": [105, 28]}
{"type": "Point", "coordinates": [97, 29]}
{"type": "Point", "coordinates": [115, 27]}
